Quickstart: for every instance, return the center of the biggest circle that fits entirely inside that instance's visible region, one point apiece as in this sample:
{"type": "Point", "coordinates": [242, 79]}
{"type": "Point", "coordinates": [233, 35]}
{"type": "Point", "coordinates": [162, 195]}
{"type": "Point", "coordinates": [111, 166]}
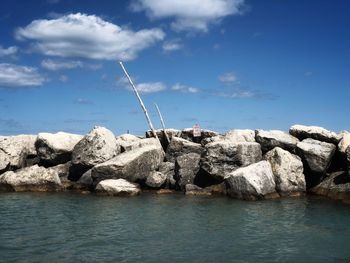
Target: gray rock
{"type": "Point", "coordinates": [117, 187]}
{"type": "Point", "coordinates": [223, 157]}
{"type": "Point", "coordinates": [156, 179]}
{"type": "Point", "coordinates": [288, 171]}
{"type": "Point", "coordinates": [141, 143]}
{"type": "Point", "coordinates": [274, 138]}
{"type": "Point", "coordinates": [187, 134]}
{"type": "Point", "coordinates": [186, 169]}
{"type": "Point", "coordinates": [98, 146]}
{"type": "Point", "coordinates": [314, 132]}
{"type": "Point", "coordinates": [217, 189]}
{"type": "Point", "coordinates": [168, 169]}
{"type": "Point", "coordinates": [161, 136]}
{"type": "Point", "coordinates": [14, 151]}
{"type": "Point", "coordinates": [34, 178]}
{"type": "Point", "coordinates": [133, 165]}
{"type": "Point", "coordinates": [191, 189]}
{"type": "Point", "coordinates": [56, 148]}
{"type": "Point", "coordinates": [336, 186]}
{"type": "Point", "coordinates": [316, 156]}
{"type": "Point", "coordinates": [126, 141]}
{"type": "Point", "coordinates": [253, 182]}
{"type": "Point", "coordinates": [179, 146]}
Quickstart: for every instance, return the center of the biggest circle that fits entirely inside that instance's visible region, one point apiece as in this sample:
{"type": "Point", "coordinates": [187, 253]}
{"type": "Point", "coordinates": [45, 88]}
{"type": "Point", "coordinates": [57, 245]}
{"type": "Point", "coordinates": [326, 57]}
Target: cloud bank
{"type": "Point", "coordinates": [19, 76]}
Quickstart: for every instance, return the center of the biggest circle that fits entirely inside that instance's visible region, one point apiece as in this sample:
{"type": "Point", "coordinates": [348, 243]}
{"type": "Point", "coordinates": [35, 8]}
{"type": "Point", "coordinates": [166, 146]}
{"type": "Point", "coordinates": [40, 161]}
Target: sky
{"type": "Point", "coordinates": [224, 64]}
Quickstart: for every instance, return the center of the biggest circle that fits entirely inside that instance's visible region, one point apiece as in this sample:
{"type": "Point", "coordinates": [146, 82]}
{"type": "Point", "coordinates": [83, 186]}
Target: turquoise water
{"type": "Point", "coordinates": [41, 227]}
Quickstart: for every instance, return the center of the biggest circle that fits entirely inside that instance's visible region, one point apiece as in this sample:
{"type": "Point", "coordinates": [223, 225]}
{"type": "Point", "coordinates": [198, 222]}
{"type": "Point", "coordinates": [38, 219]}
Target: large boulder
{"type": "Point", "coordinates": [141, 143]}
{"type": "Point", "coordinates": [316, 156]}
{"type": "Point", "coordinates": [34, 178]}
{"type": "Point", "coordinates": [56, 148]}
{"type": "Point", "coordinates": [98, 146]}
{"type": "Point", "coordinates": [62, 171]}
{"type": "Point", "coordinates": [15, 150]}
{"type": "Point", "coordinates": [117, 187]}
{"type": "Point", "coordinates": [275, 138]}
{"type": "Point", "coordinates": [335, 186]}
{"type": "Point", "coordinates": [223, 157]}
{"type": "Point", "coordinates": [344, 142]}
{"type": "Point", "coordinates": [126, 141]}
{"type": "Point", "coordinates": [156, 179]}
{"type": "Point", "coordinates": [168, 168]}
{"type": "Point", "coordinates": [186, 169]}
{"type": "Point", "coordinates": [240, 135]}
{"type": "Point", "coordinates": [288, 171]}
{"type": "Point", "coordinates": [179, 146]}
{"type": "Point", "coordinates": [133, 166]}
{"type": "Point", "coordinates": [314, 132]}
{"type": "Point", "coordinates": [253, 182]}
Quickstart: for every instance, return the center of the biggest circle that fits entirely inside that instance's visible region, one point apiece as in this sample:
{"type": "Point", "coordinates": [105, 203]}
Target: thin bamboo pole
{"type": "Point", "coordinates": [139, 99]}
{"type": "Point", "coordinates": [162, 122]}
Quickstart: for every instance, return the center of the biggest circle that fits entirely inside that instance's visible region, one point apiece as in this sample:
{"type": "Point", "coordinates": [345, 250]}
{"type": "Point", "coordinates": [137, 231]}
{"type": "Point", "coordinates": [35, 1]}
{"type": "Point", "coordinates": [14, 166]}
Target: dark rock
{"type": "Point", "coordinates": [191, 189]}
{"type": "Point", "coordinates": [160, 133]}
{"type": "Point", "coordinates": [168, 169]}
{"type": "Point", "coordinates": [179, 146]}
{"type": "Point", "coordinates": [187, 134]}
{"type": "Point", "coordinates": [186, 169]}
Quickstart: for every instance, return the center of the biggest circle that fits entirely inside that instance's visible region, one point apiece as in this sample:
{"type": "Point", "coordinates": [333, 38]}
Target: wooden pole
{"type": "Point", "coordinates": [162, 122]}
{"type": "Point", "coordinates": [139, 99]}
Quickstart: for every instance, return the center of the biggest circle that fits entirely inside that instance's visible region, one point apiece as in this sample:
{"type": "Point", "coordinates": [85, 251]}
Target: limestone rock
{"type": "Point", "coordinates": [241, 135]}
{"type": "Point", "coordinates": [117, 187]}
{"type": "Point", "coordinates": [223, 157]}
{"type": "Point", "coordinates": [316, 156]}
{"type": "Point", "coordinates": [125, 141]}
{"type": "Point", "coordinates": [314, 132]}
{"type": "Point", "coordinates": [186, 169]}
{"type": "Point", "coordinates": [14, 151]}
{"type": "Point", "coordinates": [56, 148]}
{"type": "Point", "coordinates": [141, 143]}
{"type": "Point", "coordinates": [34, 178]}
{"type": "Point", "coordinates": [253, 182]}
{"type": "Point", "coordinates": [133, 165]}
{"type": "Point", "coordinates": [275, 138]}
{"type": "Point", "coordinates": [156, 179]}
{"type": "Point", "coordinates": [336, 186]}
{"type": "Point", "coordinates": [168, 169]}
{"type": "Point", "coordinates": [62, 171]}
{"type": "Point", "coordinates": [98, 146]}
{"type": "Point", "coordinates": [288, 171]}
{"type": "Point", "coordinates": [344, 142]}
{"type": "Point", "coordinates": [179, 146]}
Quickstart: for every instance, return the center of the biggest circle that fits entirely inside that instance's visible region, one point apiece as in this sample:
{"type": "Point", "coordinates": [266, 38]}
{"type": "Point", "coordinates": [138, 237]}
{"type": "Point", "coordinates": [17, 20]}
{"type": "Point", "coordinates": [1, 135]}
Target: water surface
{"type": "Point", "coordinates": [59, 227]}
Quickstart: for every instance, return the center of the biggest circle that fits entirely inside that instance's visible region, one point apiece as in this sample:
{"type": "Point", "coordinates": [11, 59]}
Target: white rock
{"type": "Point", "coordinates": [288, 171]}
{"type": "Point", "coordinates": [314, 132]}
{"type": "Point", "coordinates": [344, 142]}
{"type": "Point", "coordinates": [275, 138]}
{"type": "Point", "coordinates": [156, 179]}
{"type": "Point", "coordinates": [240, 135]}
{"type": "Point", "coordinates": [125, 140]}
{"type": "Point", "coordinates": [34, 178]}
{"type": "Point", "coordinates": [56, 148]}
{"type": "Point", "coordinates": [117, 187]}
{"type": "Point", "coordinates": [255, 181]}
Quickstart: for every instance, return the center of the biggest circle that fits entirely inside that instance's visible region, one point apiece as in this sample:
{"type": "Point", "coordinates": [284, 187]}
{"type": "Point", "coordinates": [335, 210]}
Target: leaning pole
{"type": "Point", "coordinates": [162, 122]}
{"type": "Point", "coordinates": [139, 99]}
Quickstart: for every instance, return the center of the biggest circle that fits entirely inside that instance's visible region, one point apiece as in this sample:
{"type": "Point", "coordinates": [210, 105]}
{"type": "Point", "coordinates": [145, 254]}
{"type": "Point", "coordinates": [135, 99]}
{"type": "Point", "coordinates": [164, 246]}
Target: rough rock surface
{"type": "Point", "coordinates": [117, 187]}
{"type": "Point", "coordinates": [170, 132]}
{"type": "Point", "coordinates": [179, 146]}
{"type": "Point", "coordinates": [168, 169]}
{"type": "Point", "coordinates": [335, 186]}
{"type": "Point", "coordinates": [62, 171]}
{"type": "Point", "coordinates": [133, 165]}
{"type": "Point", "coordinates": [316, 156]}
{"type": "Point", "coordinates": [348, 157]}
{"type": "Point", "coordinates": [314, 132]}
{"type": "Point", "coordinates": [98, 146]}
{"type": "Point", "coordinates": [241, 135]}
{"type": "Point", "coordinates": [223, 157]}
{"type": "Point", "coordinates": [191, 189]}
{"type": "Point", "coordinates": [34, 178]}
{"type": "Point", "coordinates": [56, 148]}
{"type": "Point", "coordinates": [275, 138]}
{"type": "Point", "coordinates": [14, 151]}
{"type": "Point", "coordinates": [156, 179]}
{"type": "Point", "coordinates": [288, 171]}
{"type": "Point", "coordinates": [186, 169]}
{"type": "Point", "coordinates": [253, 182]}
{"type": "Point", "coordinates": [344, 142]}
{"type": "Point", "coordinates": [125, 141]}
{"type": "Point", "coordinates": [141, 143]}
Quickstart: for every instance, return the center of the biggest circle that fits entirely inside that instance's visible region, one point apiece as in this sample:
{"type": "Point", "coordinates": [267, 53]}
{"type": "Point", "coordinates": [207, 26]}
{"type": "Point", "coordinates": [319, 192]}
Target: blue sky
{"type": "Point", "coordinates": [221, 63]}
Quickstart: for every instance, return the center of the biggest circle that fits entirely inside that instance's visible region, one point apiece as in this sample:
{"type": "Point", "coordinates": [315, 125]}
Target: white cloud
{"type": "Point", "coordinates": [144, 87]}
{"type": "Point", "coordinates": [184, 88]}
{"type": "Point", "coordinates": [63, 78]}
{"type": "Point", "coordinates": [238, 94]}
{"type": "Point", "coordinates": [87, 36]}
{"type": "Point", "coordinates": [19, 76]}
{"type": "Point", "coordinates": [54, 65]}
{"type": "Point", "coordinates": [189, 15]}
{"type": "Point", "coordinates": [228, 78]}
{"type": "Point", "coordinates": [8, 51]}
{"type": "Point", "coordinates": [172, 45]}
